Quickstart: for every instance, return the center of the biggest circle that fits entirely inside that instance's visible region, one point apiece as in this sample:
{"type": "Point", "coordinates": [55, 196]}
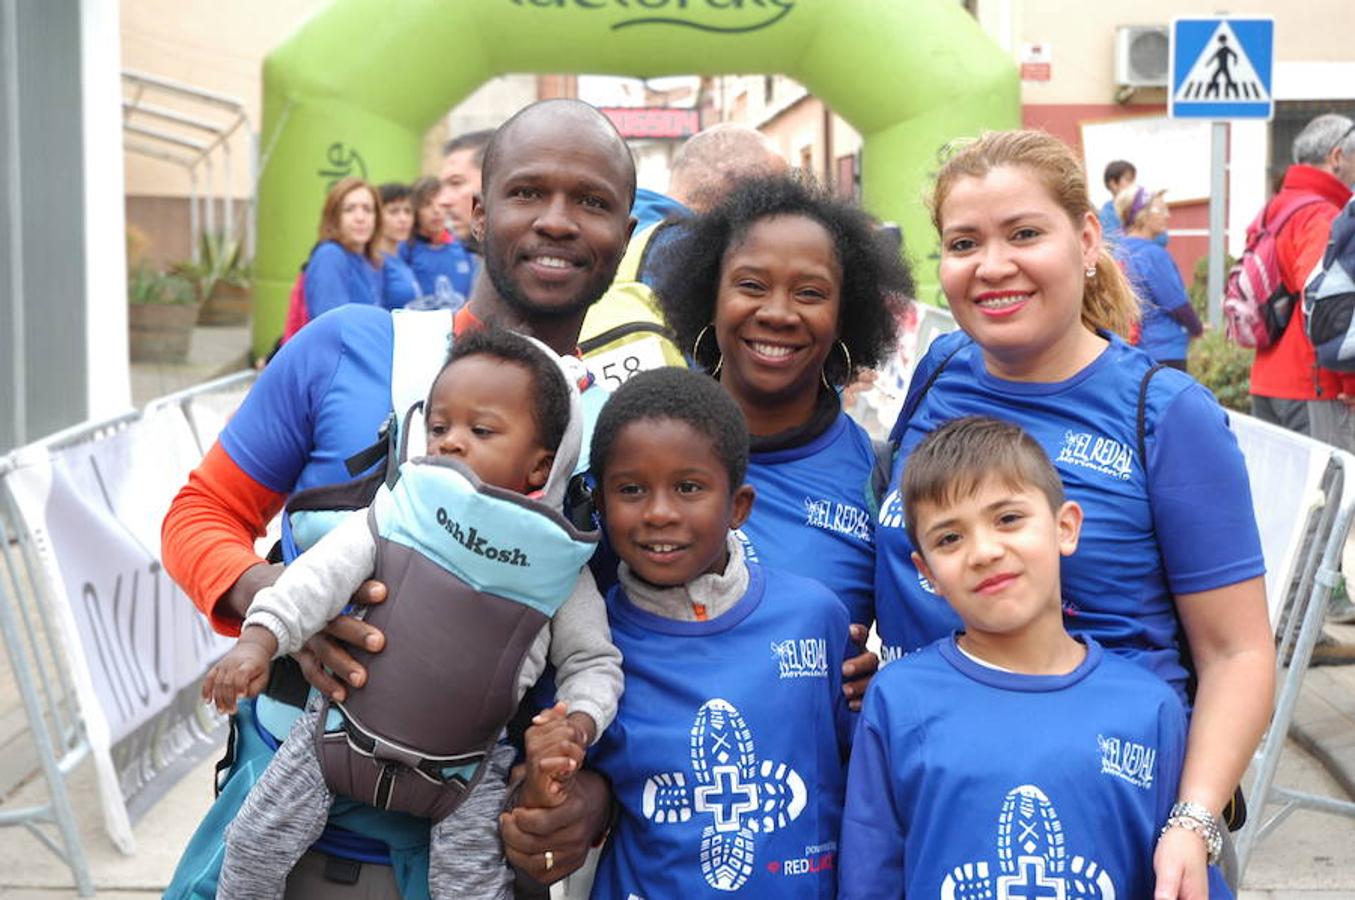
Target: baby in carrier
{"type": "Point", "coordinates": [487, 583]}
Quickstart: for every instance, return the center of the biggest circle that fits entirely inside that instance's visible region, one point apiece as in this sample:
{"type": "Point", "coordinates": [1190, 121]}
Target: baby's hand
{"type": "Point", "coordinates": [242, 672]}
{"type": "Point", "coordinates": [556, 744]}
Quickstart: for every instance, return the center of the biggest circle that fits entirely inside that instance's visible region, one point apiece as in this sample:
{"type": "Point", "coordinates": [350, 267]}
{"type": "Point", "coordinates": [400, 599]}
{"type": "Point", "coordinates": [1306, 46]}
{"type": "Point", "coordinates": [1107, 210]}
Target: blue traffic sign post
{"type": "Point", "coordinates": [1221, 69]}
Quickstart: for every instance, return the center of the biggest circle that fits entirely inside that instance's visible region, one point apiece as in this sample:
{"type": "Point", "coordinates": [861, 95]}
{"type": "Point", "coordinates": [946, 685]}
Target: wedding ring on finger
{"type": "Point", "coordinates": [550, 860]}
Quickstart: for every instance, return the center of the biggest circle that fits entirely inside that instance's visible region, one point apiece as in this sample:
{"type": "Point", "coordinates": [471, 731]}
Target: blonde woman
{"type": "Point", "coordinates": [1168, 571]}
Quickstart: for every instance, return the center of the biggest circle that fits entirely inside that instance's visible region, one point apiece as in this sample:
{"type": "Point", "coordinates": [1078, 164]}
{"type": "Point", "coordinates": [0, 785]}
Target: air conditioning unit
{"type": "Point", "coordinates": [1141, 55]}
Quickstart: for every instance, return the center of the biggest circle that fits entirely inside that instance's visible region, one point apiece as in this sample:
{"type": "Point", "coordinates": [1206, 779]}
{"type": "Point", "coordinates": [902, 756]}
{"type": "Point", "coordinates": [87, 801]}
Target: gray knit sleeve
{"type": "Point", "coordinates": [317, 585]}
{"type": "Point", "coordinates": [587, 664]}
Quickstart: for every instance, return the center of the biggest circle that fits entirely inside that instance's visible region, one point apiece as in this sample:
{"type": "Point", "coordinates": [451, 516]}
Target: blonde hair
{"type": "Point", "coordinates": [1108, 301]}
{"type": "Point", "coordinates": [332, 211]}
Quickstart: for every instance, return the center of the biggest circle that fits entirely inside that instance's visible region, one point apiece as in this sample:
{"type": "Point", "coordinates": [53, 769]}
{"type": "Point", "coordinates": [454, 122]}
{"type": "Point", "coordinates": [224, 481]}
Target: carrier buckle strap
{"type": "Point", "coordinates": [369, 456]}
{"type": "Point", "coordinates": [383, 750]}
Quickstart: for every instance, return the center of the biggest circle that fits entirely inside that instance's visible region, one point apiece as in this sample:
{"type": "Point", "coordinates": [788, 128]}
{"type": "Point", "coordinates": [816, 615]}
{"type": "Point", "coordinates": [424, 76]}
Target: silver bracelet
{"type": "Point", "coordinates": [1197, 818]}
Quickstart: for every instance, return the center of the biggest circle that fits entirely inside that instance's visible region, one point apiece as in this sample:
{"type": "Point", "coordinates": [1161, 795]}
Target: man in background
{"type": "Point", "coordinates": [459, 175]}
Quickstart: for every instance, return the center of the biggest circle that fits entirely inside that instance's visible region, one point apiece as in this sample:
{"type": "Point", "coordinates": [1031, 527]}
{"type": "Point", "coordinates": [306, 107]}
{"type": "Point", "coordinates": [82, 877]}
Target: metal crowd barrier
{"type": "Point", "coordinates": [34, 647]}
{"type": "Point", "coordinates": [1298, 615]}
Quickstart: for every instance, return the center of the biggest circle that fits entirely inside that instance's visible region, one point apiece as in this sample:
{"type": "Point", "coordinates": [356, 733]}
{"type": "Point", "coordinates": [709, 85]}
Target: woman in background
{"type": "Point", "coordinates": [398, 284]}
{"type": "Point", "coordinates": [345, 265]}
{"type": "Point", "coordinates": [1169, 321]}
{"type": "Point", "coordinates": [442, 265]}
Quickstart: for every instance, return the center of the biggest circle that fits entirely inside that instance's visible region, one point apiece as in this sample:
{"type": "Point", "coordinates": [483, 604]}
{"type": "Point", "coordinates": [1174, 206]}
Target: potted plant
{"type": "Point", "coordinates": [220, 276]}
{"type": "Point", "coordinates": [161, 312]}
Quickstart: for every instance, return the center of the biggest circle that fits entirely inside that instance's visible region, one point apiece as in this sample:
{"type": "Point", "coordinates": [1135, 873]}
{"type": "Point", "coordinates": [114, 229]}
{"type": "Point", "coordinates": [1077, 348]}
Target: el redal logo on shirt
{"type": "Point", "coordinates": [1127, 760]}
{"type": "Point", "coordinates": [1098, 453]}
{"type": "Point", "coordinates": [803, 658]}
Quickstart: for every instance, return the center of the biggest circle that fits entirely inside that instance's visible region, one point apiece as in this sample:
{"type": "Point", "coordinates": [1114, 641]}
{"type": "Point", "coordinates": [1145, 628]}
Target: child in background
{"type": "Point", "coordinates": [727, 752]}
{"type": "Point", "coordinates": [1012, 758]}
{"type": "Point", "coordinates": [485, 586]}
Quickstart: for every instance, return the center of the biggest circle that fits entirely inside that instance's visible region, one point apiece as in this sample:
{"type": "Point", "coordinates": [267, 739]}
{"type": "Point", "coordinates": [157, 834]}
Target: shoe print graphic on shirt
{"type": "Point", "coordinates": [741, 796]}
{"type": "Point", "coordinates": [1032, 859]}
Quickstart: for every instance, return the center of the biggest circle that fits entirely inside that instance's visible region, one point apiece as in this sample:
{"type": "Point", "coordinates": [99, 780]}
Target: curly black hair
{"type": "Point", "coordinates": [550, 393]}
{"type": "Point", "coordinates": [683, 395]}
{"type": "Point", "coordinates": [874, 279]}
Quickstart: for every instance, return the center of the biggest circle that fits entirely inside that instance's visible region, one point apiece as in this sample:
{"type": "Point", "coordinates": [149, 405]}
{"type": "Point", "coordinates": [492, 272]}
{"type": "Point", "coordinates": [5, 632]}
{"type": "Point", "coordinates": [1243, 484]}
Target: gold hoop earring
{"type": "Point", "coordinates": [696, 344]}
{"type": "Point", "coordinates": [847, 357]}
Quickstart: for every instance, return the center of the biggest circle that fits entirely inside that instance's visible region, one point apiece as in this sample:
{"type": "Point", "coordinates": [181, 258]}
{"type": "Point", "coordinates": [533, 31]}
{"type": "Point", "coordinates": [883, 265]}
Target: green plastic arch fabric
{"type": "Point", "coordinates": [354, 90]}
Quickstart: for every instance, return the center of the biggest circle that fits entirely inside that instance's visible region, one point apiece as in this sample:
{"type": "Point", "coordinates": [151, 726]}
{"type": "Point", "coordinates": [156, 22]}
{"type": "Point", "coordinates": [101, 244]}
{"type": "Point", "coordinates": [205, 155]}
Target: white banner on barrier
{"type": "Point", "coordinates": [135, 642]}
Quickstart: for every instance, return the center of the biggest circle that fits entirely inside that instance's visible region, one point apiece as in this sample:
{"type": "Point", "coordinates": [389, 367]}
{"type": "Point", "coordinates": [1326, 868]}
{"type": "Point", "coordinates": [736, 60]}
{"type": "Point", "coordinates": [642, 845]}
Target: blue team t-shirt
{"type": "Point", "coordinates": [968, 781]}
{"type": "Point", "coordinates": [335, 277]}
{"type": "Point", "coordinates": [398, 284]}
{"type": "Point", "coordinates": [1158, 283]}
{"type": "Point", "coordinates": [320, 400]}
{"type": "Point", "coordinates": [812, 517]}
{"type": "Point", "coordinates": [1181, 525]}
{"type": "Point", "coordinates": [727, 755]}
{"type": "Point", "coordinates": [451, 261]}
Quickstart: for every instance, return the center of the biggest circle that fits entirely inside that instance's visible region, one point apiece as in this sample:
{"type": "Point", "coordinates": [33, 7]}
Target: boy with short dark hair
{"type": "Point", "coordinates": [726, 755]}
{"type": "Point", "coordinates": [1011, 759]}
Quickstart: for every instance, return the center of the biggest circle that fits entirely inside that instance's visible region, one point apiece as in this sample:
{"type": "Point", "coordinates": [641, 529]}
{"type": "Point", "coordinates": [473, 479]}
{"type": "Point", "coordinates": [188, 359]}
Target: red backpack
{"type": "Point", "coordinates": [297, 315]}
{"type": "Point", "coordinates": [1256, 304]}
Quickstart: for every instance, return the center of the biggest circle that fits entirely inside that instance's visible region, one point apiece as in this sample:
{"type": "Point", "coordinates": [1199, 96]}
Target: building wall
{"type": "Point", "coordinates": [211, 45]}
{"type": "Point", "coordinates": [1084, 43]}
{"type": "Point", "coordinates": [1315, 70]}
{"type": "Point", "coordinates": [220, 47]}
{"type": "Point", "coordinates": [795, 122]}
{"type": "Point", "coordinates": [63, 314]}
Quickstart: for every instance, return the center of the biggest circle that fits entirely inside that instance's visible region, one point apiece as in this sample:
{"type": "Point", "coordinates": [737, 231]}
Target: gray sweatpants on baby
{"type": "Point", "coordinates": [287, 809]}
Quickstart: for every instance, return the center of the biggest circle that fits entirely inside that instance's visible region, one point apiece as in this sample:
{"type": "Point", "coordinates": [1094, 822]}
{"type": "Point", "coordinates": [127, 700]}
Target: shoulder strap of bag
{"type": "Point", "coordinates": [1282, 216]}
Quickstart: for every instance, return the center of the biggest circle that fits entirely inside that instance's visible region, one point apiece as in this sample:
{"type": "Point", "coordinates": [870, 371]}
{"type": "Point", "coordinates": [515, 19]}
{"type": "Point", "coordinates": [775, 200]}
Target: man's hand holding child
{"type": "Point", "coordinates": [556, 744]}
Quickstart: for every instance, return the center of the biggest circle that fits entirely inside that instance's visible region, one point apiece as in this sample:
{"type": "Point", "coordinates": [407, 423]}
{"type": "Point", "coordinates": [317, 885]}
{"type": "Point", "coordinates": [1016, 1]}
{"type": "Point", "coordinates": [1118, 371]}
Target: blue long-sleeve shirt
{"type": "Point", "coordinates": [335, 276]}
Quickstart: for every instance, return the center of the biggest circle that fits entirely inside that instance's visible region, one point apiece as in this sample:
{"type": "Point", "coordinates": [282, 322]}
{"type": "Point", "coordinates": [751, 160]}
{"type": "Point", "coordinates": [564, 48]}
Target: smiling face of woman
{"type": "Point", "coordinates": [776, 319]}
{"type": "Point", "coordinates": [357, 218]}
{"type": "Point", "coordinates": [1013, 268]}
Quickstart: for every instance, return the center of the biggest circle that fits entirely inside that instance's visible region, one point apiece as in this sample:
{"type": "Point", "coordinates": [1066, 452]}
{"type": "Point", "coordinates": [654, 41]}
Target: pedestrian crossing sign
{"type": "Point", "coordinates": [1221, 68]}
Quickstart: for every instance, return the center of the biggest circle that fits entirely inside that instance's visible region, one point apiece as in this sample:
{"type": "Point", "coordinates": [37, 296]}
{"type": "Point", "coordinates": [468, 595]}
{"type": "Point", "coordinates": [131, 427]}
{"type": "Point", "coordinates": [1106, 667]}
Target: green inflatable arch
{"type": "Point", "coordinates": [356, 88]}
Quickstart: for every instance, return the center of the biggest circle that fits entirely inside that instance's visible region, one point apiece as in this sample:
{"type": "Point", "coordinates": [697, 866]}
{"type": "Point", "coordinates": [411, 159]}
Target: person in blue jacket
{"type": "Point", "coordinates": [935, 807]}
{"type": "Point", "coordinates": [782, 293]}
{"type": "Point", "coordinates": [345, 265]}
{"type": "Point", "coordinates": [398, 284]}
{"type": "Point", "coordinates": [443, 266]}
{"type": "Point", "coordinates": [1147, 453]}
{"type": "Point", "coordinates": [1168, 321]}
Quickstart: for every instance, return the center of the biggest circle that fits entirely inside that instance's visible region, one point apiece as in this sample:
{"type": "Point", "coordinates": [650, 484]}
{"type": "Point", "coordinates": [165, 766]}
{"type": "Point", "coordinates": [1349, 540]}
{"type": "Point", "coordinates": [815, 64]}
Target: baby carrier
{"type": "Point", "coordinates": [474, 573]}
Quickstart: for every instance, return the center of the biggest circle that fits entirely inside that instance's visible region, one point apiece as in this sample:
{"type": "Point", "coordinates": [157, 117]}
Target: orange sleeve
{"type": "Point", "coordinates": [207, 539]}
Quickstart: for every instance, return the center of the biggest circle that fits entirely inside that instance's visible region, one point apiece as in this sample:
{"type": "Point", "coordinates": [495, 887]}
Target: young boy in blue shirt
{"type": "Point", "coordinates": [1011, 759]}
{"type": "Point", "coordinates": [727, 753]}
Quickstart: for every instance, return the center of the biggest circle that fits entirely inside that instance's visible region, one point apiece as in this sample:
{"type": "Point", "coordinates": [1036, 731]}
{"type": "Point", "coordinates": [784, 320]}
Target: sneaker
{"type": "Point", "coordinates": [1340, 611]}
{"type": "Point", "coordinates": [1328, 651]}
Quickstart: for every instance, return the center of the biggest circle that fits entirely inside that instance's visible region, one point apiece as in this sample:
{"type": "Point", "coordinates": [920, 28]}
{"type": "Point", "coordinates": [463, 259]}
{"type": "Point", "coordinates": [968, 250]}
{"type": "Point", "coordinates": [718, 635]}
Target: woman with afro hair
{"type": "Point", "coordinates": [784, 294]}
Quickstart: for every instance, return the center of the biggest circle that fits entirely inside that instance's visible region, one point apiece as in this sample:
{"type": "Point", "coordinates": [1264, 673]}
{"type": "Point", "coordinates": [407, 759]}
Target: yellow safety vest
{"type": "Point", "coordinates": [625, 332]}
